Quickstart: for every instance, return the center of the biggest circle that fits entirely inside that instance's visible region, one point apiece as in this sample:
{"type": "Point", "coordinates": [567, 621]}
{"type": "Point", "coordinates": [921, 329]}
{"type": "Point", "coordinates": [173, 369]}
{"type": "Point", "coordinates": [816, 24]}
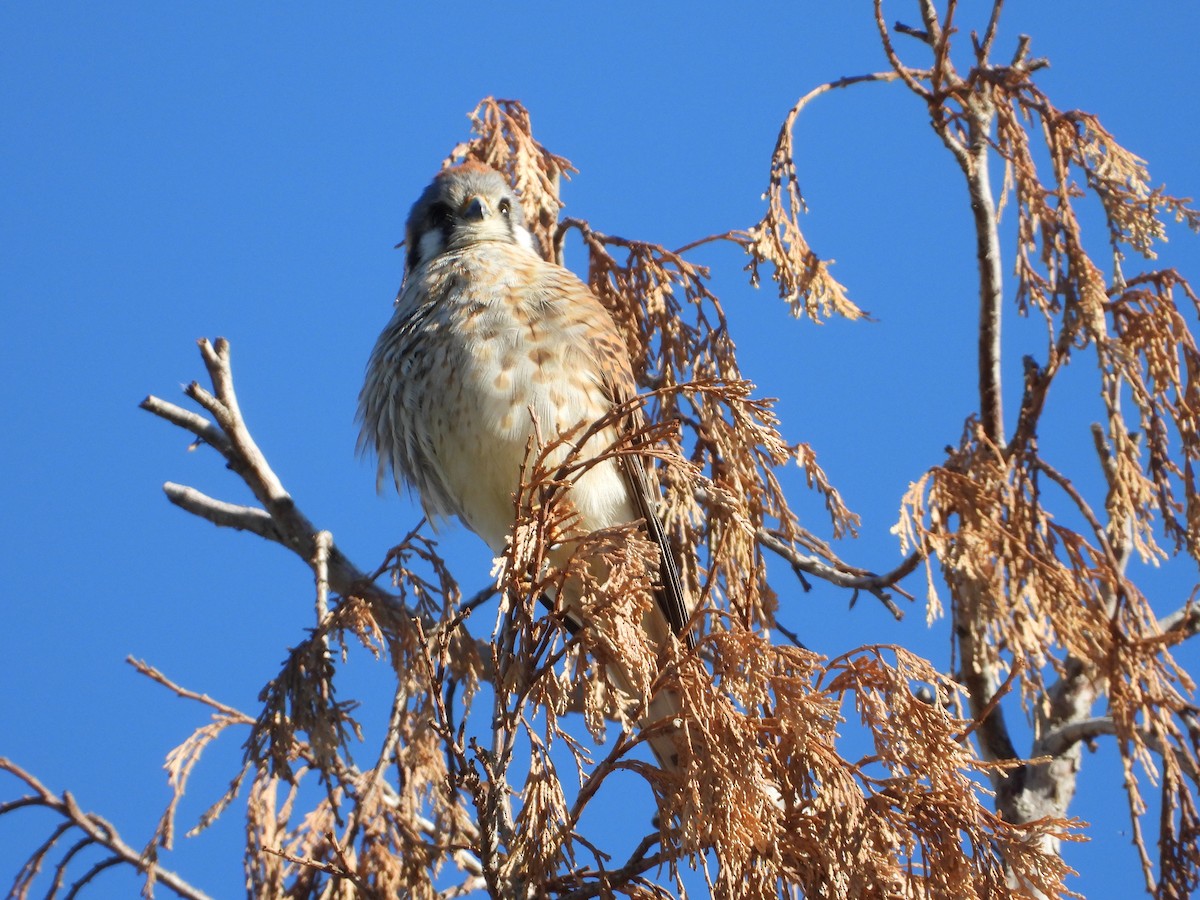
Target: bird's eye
{"type": "Point", "coordinates": [505, 207]}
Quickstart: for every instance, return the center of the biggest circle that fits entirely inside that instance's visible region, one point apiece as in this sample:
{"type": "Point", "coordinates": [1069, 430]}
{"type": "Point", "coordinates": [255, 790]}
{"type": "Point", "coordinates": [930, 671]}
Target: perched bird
{"type": "Point", "coordinates": [490, 345]}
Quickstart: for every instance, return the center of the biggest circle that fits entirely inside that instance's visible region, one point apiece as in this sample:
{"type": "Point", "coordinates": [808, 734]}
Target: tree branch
{"type": "Point", "coordinates": [909, 76]}
{"type": "Point", "coordinates": [1060, 740]}
{"type": "Point", "coordinates": [637, 863]}
{"type": "Point", "coordinates": [189, 421]}
{"type": "Point", "coordinates": [280, 520]}
{"type": "Point", "coordinates": [98, 831]}
{"type": "Point", "coordinates": [984, 50]}
{"type": "Point", "coordinates": [1185, 621]}
{"type": "Point", "coordinates": [871, 583]}
{"type": "Point", "coordinates": [987, 255]}
{"type": "Point", "coordinates": [155, 675]}
{"type": "Point", "coordinates": [222, 514]}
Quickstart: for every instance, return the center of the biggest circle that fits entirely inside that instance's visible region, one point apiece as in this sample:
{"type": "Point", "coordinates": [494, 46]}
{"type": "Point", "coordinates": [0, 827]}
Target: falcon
{"type": "Point", "coordinates": [491, 346]}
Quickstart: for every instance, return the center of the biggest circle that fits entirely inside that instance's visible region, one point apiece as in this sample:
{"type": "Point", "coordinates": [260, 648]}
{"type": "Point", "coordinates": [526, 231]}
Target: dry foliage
{"type": "Point", "coordinates": [1055, 604]}
{"type": "Point", "coordinates": [484, 777]}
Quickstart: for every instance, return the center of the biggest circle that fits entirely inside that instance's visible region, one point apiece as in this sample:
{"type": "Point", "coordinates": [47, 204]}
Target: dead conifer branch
{"type": "Point", "coordinates": [1025, 587]}
{"type": "Point", "coordinates": [804, 280]}
{"type": "Point", "coordinates": [703, 391]}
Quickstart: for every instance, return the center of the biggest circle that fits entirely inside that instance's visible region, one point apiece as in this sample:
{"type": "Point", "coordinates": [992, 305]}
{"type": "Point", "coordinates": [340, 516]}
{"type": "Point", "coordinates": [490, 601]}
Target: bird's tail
{"type": "Point", "coordinates": [664, 714]}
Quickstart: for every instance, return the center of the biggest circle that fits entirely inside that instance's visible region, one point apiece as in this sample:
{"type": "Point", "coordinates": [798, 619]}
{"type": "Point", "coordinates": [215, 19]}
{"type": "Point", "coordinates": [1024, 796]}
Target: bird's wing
{"type": "Point", "coordinates": [611, 360]}
{"type": "Point", "coordinates": [670, 596]}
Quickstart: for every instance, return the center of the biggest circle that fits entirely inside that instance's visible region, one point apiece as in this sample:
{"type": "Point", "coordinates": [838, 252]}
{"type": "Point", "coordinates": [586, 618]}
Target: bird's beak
{"type": "Point", "coordinates": [475, 210]}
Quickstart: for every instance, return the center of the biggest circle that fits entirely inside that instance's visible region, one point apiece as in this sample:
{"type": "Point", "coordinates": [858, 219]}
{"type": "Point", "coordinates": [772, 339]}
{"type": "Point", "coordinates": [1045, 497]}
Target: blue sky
{"type": "Point", "coordinates": [175, 171]}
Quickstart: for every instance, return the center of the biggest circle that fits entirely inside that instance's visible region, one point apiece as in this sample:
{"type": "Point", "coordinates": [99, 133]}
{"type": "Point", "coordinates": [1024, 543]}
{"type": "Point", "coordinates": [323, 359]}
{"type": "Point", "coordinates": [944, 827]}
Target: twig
{"type": "Point", "coordinates": [902, 71]}
{"type": "Point", "coordinates": [929, 18]}
{"type": "Point", "coordinates": [328, 868]}
{"type": "Point", "coordinates": [871, 583]}
{"type": "Point", "coordinates": [638, 862]}
{"type": "Point", "coordinates": [155, 675]}
{"type": "Point", "coordinates": [838, 83]}
{"type": "Point", "coordinates": [984, 50]}
{"type": "Point", "coordinates": [222, 514]}
{"type": "Point", "coordinates": [1185, 621]}
{"type": "Point", "coordinates": [189, 421]}
{"type": "Point", "coordinates": [922, 36]}
{"type": "Point", "coordinates": [472, 884]}
{"type": "Point", "coordinates": [1110, 554]}
{"type": "Point", "coordinates": [991, 709]}
{"type": "Point", "coordinates": [790, 635]}
{"type": "Point", "coordinates": [98, 831]}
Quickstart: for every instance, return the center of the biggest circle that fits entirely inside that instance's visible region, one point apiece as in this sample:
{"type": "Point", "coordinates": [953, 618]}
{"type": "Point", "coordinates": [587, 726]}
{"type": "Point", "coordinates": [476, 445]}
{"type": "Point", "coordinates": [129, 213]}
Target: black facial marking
{"type": "Point", "coordinates": [414, 249]}
{"type": "Point", "coordinates": [438, 217]}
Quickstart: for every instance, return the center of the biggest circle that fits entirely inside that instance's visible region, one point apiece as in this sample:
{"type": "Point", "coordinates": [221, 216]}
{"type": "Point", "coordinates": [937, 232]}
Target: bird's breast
{"type": "Point", "coordinates": [498, 359]}
{"type": "Point", "coordinates": [518, 355]}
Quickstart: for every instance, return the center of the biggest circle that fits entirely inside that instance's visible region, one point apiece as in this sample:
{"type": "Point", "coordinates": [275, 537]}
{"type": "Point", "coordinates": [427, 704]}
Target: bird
{"type": "Point", "coordinates": [491, 347]}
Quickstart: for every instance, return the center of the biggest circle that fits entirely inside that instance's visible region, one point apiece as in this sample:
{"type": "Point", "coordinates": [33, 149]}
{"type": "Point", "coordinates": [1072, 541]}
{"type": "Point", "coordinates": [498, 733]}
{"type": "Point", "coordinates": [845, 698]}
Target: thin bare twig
{"type": "Point", "coordinates": [876, 585]}
{"type": "Point", "coordinates": [154, 674]}
{"type": "Point", "coordinates": [99, 832]}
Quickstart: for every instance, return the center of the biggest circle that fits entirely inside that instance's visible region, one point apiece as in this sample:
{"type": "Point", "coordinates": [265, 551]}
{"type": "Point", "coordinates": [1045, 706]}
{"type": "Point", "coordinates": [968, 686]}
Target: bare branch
{"type": "Point", "coordinates": [988, 719]}
{"type": "Point", "coordinates": [266, 484]}
{"type": "Point", "coordinates": [222, 514]}
{"type": "Point", "coordinates": [875, 585]}
{"type": "Point", "coordinates": [983, 50]}
{"type": "Point", "coordinates": [603, 882]}
{"type": "Point", "coordinates": [155, 675]}
{"type": "Point", "coordinates": [1110, 555]}
{"type": "Point", "coordinates": [902, 71]}
{"type": "Point", "coordinates": [280, 521]}
{"type": "Point", "coordinates": [991, 290]}
{"type": "Point", "coordinates": [922, 36]}
{"type": "Point", "coordinates": [1184, 621]}
{"type": "Point", "coordinates": [933, 27]}
{"type": "Point", "coordinates": [1057, 742]}
{"type": "Point", "coordinates": [98, 831]}
{"type": "Point", "coordinates": [189, 421]}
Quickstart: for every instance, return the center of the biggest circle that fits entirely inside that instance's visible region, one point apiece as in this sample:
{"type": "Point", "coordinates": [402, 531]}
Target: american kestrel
{"type": "Point", "coordinates": [490, 345]}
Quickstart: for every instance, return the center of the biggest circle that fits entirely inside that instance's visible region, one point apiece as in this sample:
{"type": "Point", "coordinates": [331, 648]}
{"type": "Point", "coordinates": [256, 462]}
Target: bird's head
{"type": "Point", "coordinates": [464, 205]}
